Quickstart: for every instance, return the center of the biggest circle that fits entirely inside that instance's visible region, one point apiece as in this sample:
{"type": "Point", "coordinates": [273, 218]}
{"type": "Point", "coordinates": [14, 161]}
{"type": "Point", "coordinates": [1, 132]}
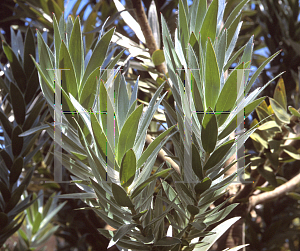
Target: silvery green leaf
{"type": "Point", "coordinates": [83, 113]}
{"type": "Point", "coordinates": [132, 245]}
{"type": "Point", "coordinates": [168, 241]}
{"type": "Point", "coordinates": [76, 169]}
{"type": "Point", "coordinates": [122, 102]}
{"type": "Point", "coordinates": [87, 58]}
{"type": "Point", "coordinates": [153, 22]}
{"type": "Point", "coordinates": [121, 197]}
{"type": "Point", "coordinates": [123, 230]}
{"type": "Point", "coordinates": [259, 70]}
{"type": "Point", "coordinates": [112, 222]}
{"type": "Point", "coordinates": [233, 58]}
{"type": "Point", "coordinates": [185, 200]}
{"type": "Point", "coordinates": [77, 196]}
{"type": "Point", "coordinates": [68, 144]}
{"type": "Point", "coordinates": [234, 14]}
{"type": "Point", "coordinates": [145, 121]}
{"type": "Point", "coordinates": [181, 212]}
{"type": "Point", "coordinates": [44, 238]}
{"type": "Point", "coordinates": [232, 44]}
{"type": "Point", "coordinates": [211, 219]}
{"type": "Point", "coordinates": [221, 9]}
{"type": "Point", "coordinates": [225, 182]}
{"type": "Point", "coordinates": [134, 92]}
{"type": "Point", "coordinates": [130, 21]}
{"type": "Point", "coordinates": [152, 149]}
{"type": "Point", "coordinates": [220, 230]}
{"type": "Point", "coordinates": [237, 248]}
{"type": "Point", "coordinates": [168, 208]}
{"type": "Point", "coordinates": [182, 24]}
{"type": "Point", "coordinates": [107, 198]}
{"type": "Point", "coordinates": [52, 213]}
{"type": "Point", "coordinates": [20, 45]}
{"type": "Point", "coordinates": [128, 134]}
{"type": "Point", "coordinates": [247, 55]}
{"type": "Point", "coordinates": [179, 51]}
{"type": "Point", "coordinates": [139, 186]}
{"type": "Point", "coordinates": [108, 58]}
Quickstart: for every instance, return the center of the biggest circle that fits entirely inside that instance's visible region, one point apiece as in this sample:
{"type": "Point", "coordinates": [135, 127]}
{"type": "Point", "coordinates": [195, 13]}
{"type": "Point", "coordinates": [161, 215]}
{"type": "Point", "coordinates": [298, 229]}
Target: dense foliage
{"type": "Point", "coordinates": [165, 193]}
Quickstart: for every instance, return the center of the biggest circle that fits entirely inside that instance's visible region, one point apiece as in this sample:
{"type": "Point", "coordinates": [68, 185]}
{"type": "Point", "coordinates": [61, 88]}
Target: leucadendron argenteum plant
{"type": "Point", "coordinates": [209, 107]}
{"type": "Point", "coordinates": [114, 171]}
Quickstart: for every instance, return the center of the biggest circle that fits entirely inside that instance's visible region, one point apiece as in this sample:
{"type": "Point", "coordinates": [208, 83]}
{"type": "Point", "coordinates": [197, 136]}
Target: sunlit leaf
{"type": "Point", "coordinates": [212, 76]}
{"type": "Point", "coordinates": [128, 133]}
{"type": "Point", "coordinates": [128, 168]}
{"type": "Point", "coordinates": [280, 112]}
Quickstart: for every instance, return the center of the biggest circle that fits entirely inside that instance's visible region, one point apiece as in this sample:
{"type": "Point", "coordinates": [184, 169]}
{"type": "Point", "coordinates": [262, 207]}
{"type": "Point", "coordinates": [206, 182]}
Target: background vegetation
{"type": "Point", "coordinates": [269, 207]}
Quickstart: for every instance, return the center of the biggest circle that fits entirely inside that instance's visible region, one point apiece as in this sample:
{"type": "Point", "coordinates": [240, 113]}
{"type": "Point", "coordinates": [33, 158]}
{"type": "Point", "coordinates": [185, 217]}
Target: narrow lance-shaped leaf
{"type": "Point", "coordinates": [128, 133]}
{"type": "Point", "coordinates": [200, 8]}
{"type": "Point", "coordinates": [219, 230]}
{"type": "Point", "coordinates": [122, 102]}
{"type": "Point", "coordinates": [16, 141]}
{"type": "Point", "coordinates": [18, 103]}
{"type": "Point", "coordinates": [152, 146]}
{"type": "Point", "coordinates": [203, 186]}
{"type": "Point", "coordinates": [212, 76]}
{"type": "Point", "coordinates": [153, 22]}
{"type": "Point", "coordinates": [68, 78]}
{"type": "Point", "coordinates": [139, 188]}
{"type": "Point", "coordinates": [121, 196]}
{"type": "Point", "coordinates": [234, 14]}
{"type": "Point", "coordinates": [128, 168]}
{"type": "Point", "coordinates": [99, 136]}
{"type": "Point", "coordinates": [88, 25]}
{"type": "Point", "coordinates": [183, 28]}
{"type": "Point", "coordinates": [227, 98]}
{"type": "Point", "coordinates": [57, 39]}
{"type": "Point", "coordinates": [5, 123]}
{"type": "Point", "coordinates": [103, 105]}
{"type": "Point", "coordinates": [280, 112]}
{"type": "Point", "coordinates": [130, 21]}
{"type": "Point", "coordinates": [16, 170]}
{"type": "Point", "coordinates": [280, 94]}
{"type": "Point", "coordinates": [218, 154]}
{"type": "Point", "coordinates": [87, 95]}
{"type": "Point", "coordinates": [294, 111]}
{"type": "Point", "coordinates": [69, 28]}
{"type": "Point", "coordinates": [259, 70]}
{"type": "Point", "coordinates": [209, 26]}
{"type": "Point", "coordinates": [76, 50]}
{"type": "Point", "coordinates": [29, 49]}
{"type": "Point", "coordinates": [209, 132]}
{"type": "Point", "coordinates": [98, 55]}
{"type": "Point", "coordinates": [232, 36]}
{"type": "Point", "coordinates": [45, 61]}
{"type": "Point", "coordinates": [233, 123]}
{"type": "Point", "coordinates": [123, 230]}
{"type": "Point", "coordinates": [196, 162]}
{"type": "Point", "coordinates": [15, 65]}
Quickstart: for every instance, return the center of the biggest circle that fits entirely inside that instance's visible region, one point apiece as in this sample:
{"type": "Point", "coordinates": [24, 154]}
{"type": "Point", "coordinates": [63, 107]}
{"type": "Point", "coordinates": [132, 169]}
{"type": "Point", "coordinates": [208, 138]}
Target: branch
{"type": "Point", "coordinates": [146, 29]}
{"type": "Point", "coordinates": [162, 157]}
{"type": "Point", "coordinates": [152, 46]}
{"type": "Point", "coordinates": [280, 191]}
{"type": "Point", "coordinates": [248, 189]}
